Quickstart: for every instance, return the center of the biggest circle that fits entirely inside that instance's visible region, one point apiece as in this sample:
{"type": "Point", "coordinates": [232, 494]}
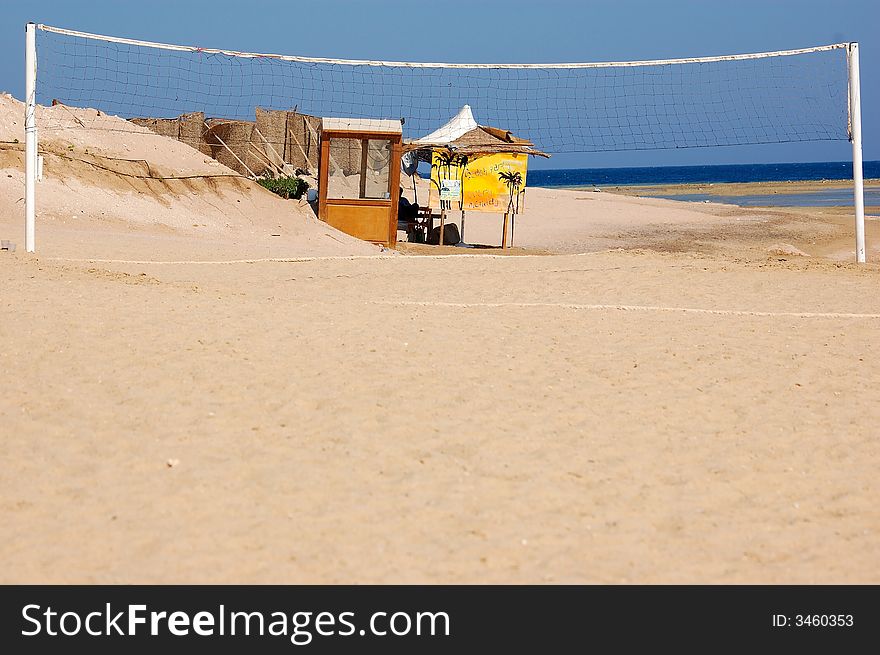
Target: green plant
{"type": "Point", "coordinates": [286, 187]}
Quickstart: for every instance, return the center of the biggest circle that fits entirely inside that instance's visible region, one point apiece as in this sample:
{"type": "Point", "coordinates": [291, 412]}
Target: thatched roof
{"type": "Point", "coordinates": [485, 140]}
{"type": "Point", "coordinates": [462, 135]}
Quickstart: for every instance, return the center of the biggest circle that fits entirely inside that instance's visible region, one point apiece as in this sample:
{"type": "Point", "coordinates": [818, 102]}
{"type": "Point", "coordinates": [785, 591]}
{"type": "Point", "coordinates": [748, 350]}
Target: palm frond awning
{"type": "Point", "coordinates": [464, 136]}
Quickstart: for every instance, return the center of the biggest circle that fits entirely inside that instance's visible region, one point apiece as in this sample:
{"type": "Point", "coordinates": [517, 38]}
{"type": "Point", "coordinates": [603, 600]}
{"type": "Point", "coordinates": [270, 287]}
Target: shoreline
{"type": "Point", "coordinates": [722, 188]}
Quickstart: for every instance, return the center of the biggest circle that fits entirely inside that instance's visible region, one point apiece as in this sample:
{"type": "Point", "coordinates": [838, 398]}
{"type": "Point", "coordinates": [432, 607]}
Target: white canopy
{"type": "Point", "coordinates": [460, 124]}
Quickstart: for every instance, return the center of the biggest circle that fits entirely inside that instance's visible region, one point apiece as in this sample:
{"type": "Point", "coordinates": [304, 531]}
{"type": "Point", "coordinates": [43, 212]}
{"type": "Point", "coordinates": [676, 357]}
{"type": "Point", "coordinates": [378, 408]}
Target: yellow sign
{"type": "Point", "coordinates": [492, 183]}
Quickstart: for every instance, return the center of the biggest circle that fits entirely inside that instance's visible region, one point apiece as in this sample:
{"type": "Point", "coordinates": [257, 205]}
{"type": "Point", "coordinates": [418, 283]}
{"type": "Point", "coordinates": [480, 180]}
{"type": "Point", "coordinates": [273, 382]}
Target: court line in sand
{"type": "Point", "coordinates": [625, 308]}
{"type": "Point", "coordinates": [186, 262]}
{"type": "Point", "coordinates": [329, 258]}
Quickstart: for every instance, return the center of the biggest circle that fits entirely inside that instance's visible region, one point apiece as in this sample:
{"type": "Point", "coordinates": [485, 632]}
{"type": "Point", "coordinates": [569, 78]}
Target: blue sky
{"type": "Point", "coordinates": [509, 31]}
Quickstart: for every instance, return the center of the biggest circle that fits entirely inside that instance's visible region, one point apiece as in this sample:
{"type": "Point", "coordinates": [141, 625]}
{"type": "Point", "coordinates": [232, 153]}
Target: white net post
{"type": "Point", "coordinates": [30, 135]}
{"type": "Point", "coordinates": [855, 121]}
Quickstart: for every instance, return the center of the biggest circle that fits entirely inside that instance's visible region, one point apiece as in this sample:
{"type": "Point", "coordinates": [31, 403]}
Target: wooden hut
{"type": "Point", "coordinates": [476, 167]}
{"type": "Point", "coordinates": [359, 176]}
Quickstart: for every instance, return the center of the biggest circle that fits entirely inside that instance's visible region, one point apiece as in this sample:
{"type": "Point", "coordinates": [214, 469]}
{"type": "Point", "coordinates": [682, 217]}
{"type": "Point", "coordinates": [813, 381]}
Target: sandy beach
{"type": "Point", "coordinates": [738, 188]}
{"type": "Point", "coordinates": [644, 391]}
{"type": "Point", "coordinates": [575, 221]}
{"type": "Point", "coordinates": [618, 417]}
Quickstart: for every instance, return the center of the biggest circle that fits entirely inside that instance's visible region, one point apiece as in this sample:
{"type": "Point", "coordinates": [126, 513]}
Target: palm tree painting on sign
{"type": "Point", "coordinates": [513, 180]}
{"type": "Point", "coordinates": [450, 166]}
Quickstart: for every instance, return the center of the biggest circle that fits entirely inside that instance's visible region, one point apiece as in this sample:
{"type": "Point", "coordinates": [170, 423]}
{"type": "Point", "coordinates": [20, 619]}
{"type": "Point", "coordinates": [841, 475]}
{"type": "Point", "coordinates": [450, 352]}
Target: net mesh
{"type": "Point", "coordinates": [772, 99]}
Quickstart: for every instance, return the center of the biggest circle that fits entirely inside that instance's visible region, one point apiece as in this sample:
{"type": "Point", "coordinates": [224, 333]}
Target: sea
{"type": "Point", "coordinates": [727, 173]}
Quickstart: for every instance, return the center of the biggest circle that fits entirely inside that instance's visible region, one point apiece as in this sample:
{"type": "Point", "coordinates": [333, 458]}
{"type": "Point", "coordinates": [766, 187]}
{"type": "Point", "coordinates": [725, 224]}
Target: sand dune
{"type": "Point", "coordinates": [114, 189]}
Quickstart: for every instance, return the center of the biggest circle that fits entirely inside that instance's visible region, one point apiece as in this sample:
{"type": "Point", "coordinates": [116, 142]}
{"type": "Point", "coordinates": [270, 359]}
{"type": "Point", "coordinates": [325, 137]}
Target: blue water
{"type": "Point", "coordinates": [698, 174]}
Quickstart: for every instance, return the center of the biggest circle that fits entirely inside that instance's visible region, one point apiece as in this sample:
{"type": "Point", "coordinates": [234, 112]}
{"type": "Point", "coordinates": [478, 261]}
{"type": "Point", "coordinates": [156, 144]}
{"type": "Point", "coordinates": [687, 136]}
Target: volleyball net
{"type": "Point", "coordinates": [743, 99]}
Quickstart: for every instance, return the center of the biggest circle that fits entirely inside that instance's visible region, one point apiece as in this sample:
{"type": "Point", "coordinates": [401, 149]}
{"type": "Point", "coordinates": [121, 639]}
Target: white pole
{"type": "Point", "coordinates": [855, 116]}
{"type": "Point", "coordinates": [30, 134]}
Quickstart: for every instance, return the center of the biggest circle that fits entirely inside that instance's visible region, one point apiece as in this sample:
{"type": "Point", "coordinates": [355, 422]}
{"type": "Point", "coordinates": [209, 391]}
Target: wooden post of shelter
{"type": "Point", "coordinates": [442, 223]}
{"type": "Point", "coordinates": [504, 230]}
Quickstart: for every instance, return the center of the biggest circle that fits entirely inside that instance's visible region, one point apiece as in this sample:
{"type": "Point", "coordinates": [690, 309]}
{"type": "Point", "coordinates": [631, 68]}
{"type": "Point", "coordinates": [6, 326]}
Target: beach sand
{"type": "Point", "coordinates": [334, 421]}
{"type": "Point", "coordinates": [575, 221]}
{"type": "Point", "coordinates": [738, 188]}
{"type": "Point", "coordinates": [676, 404]}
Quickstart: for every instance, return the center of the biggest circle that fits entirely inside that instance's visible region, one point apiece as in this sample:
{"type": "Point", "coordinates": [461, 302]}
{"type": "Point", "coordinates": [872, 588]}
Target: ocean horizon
{"type": "Point", "coordinates": [714, 174]}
